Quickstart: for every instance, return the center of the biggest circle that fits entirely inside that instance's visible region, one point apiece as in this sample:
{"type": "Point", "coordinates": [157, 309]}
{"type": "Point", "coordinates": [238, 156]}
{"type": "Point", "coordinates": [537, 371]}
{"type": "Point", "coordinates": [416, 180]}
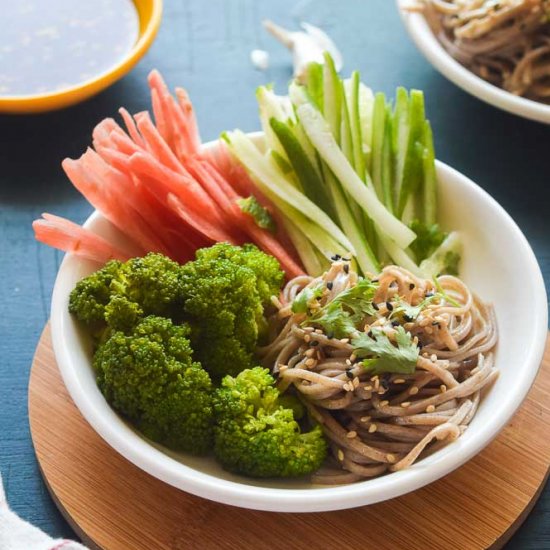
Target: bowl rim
{"type": "Point", "coordinates": [49, 101]}
{"type": "Point", "coordinates": [168, 469]}
{"type": "Point", "coordinates": [425, 40]}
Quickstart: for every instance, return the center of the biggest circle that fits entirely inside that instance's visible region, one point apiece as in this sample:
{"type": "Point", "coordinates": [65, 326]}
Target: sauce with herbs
{"type": "Point", "coordinates": [50, 45]}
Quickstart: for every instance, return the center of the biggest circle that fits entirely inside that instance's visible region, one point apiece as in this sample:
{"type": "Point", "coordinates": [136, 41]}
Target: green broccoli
{"type": "Point", "coordinates": [223, 304]}
{"type": "Point", "coordinates": [256, 435]}
{"type": "Point", "coordinates": [121, 293]}
{"type": "Point", "coordinates": [269, 276]}
{"type": "Point", "coordinates": [149, 375]}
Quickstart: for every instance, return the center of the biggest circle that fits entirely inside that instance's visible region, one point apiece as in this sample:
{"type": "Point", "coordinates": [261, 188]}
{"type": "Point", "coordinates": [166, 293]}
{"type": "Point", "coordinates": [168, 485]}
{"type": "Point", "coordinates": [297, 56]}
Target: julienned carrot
{"type": "Point", "coordinates": [70, 237]}
{"type": "Point", "coordinates": [131, 127]}
{"type": "Point", "coordinates": [189, 119]}
{"type": "Point", "coordinates": [162, 121]}
{"type": "Point", "coordinates": [111, 200]}
{"type": "Point", "coordinates": [158, 147]}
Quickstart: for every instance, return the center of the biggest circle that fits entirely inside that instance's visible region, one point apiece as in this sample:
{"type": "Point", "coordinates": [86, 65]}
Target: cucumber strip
{"type": "Point", "coordinates": [312, 185]}
{"type": "Point", "coordinates": [273, 183]}
{"type": "Point", "coordinates": [379, 118]}
{"type": "Point", "coordinates": [320, 136]}
{"type": "Point", "coordinates": [412, 171]}
{"type": "Point", "coordinates": [430, 177]}
{"type": "Point", "coordinates": [365, 257]}
{"type": "Point", "coordinates": [351, 88]}
{"type": "Point", "coordinates": [387, 175]}
{"type": "Point", "coordinates": [272, 106]}
{"type": "Point", "coordinates": [366, 111]}
{"type": "Point", "coordinates": [307, 252]}
{"type": "Point", "coordinates": [400, 137]}
{"type": "Point", "coordinates": [399, 256]}
{"type": "Point", "coordinates": [314, 84]}
{"type": "Point", "coordinates": [436, 263]}
{"type": "Point", "coordinates": [346, 138]}
{"type": "Point", "coordinates": [332, 99]}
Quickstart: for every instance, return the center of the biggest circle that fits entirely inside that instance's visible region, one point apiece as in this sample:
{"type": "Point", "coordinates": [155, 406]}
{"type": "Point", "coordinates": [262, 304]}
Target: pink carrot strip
{"type": "Point", "coordinates": [70, 237]}
{"type": "Point", "coordinates": [162, 120]}
{"type": "Point", "coordinates": [131, 127]}
{"type": "Point", "coordinates": [190, 119]}
{"type": "Point", "coordinates": [124, 144]}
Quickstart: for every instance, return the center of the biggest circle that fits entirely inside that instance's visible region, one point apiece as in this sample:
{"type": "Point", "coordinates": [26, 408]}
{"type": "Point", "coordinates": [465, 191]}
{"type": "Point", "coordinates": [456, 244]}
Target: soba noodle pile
{"type": "Point", "coordinates": [506, 42]}
{"type": "Point", "coordinates": [377, 423]}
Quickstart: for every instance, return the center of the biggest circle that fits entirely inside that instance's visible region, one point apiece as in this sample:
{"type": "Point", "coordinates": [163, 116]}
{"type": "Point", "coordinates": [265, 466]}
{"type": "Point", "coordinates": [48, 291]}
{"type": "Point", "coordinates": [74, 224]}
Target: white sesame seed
{"type": "Point", "coordinates": [399, 381]}
{"type": "Point", "coordinates": [340, 455]}
{"type": "Point", "coordinates": [365, 418]}
{"type": "Point", "coordinates": [307, 338]}
{"type": "Point", "coordinates": [310, 362]}
{"type": "Point", "coordinates": [443, 388]}
{"type": "Point", "coordinates": [310, 352]}
{"type": "Point", "coordinates": [351, 435]}
{"type": "Point", "coordinates": [390, 458]}
{"type": "Point", "coordinates": [430, 409]}
{"type": "Point", "coordinates": [352, 357]}
{"type": "Point", "coordinates": [405, 404]}
{"type": "Point", "coordinates": [355, 382]}
{"type": "Point", "coordinates": [368, 388]}
{"type": "Point", "coordinates": [348, 362]}
{"type": "Point", "coordinates": [372, 428]}
{"type": "Point", "coordinates": [413, 390]}
{"type": "Point", "coordinates": [384, 403]}
{"type": "Point", "coordinates": [344, 340]}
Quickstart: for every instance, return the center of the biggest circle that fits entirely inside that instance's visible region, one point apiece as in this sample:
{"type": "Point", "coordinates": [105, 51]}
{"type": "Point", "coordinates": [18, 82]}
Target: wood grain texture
{"type": "Point", "coordinates": [114, 505]}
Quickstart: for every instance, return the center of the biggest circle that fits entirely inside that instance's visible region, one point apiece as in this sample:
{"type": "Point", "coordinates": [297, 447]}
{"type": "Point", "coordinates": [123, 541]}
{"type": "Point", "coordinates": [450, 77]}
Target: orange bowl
{"type": "Point", "coordinates": [149, 12]}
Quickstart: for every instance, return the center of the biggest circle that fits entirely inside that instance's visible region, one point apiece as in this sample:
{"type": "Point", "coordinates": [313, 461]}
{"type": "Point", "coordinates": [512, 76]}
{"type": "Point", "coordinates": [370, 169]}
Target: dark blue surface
{"type": "Point", "coordinates": [205, 47]}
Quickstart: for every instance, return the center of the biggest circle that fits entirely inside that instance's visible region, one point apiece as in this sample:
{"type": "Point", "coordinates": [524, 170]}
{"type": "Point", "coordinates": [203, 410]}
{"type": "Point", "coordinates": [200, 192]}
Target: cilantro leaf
{"type": "Point", "coordinates": [305, 297]}
{"type": "Point", "coordinates": [383, 356]}
{"type": "Point", "coordinates": [428, 239]}
{"type": "Point", "coordinates": [261, 215]}
{"type": "Point", "coordinates": [409, 311]}
{"type": "Point", "coordinates": [341, 316]}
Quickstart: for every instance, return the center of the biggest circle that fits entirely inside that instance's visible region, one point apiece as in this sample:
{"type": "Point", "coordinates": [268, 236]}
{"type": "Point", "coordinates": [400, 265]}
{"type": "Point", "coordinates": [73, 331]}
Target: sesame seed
{"type": "Point", "coordinates": [329, 285]}
{"type": "Point", "coordinates": [430, 409]}
{"type": "Point", "coordinates": [390, 458]}
{"type": "Point", "coordinates": [365, 418]}
{"type": "Point", "coordinates": [368, 388]}
{"type": "Point", "coordinates": [413, 390]}
{"type": "Point", "coordinates": [443, 388]}
{"type": "Point", "coordinates": [314, 343]}
{"type": "Point", "coordinates": [349, 374]}
{"type": "Point", "coordinates": [336, 257]}
{"type": "Point", "coordinates": [399, 381]}
{"type": "Point", "coordinates": [344, 340]}
{"type": "Point", "coordinates": [376, 384]}
{"type": "Point", "coordinates": [310, 362]}
{"type": "Point", "coordinates": [433, 357]}
{"type": "Point", "coordinates": [340, 455]}
{"type": "Point", "coordinates": [389, 306]}
{"type": "Point", "coordinates": [309, 352]}
{"type": "Point", "coordinates": [283, 367]}
{"type": "Point", "coordinates": [352, 357]}
{"type": "Point", "coordinates": [351, 435]}
{"type": "Point", "coordinates": [405, 404]}
{"type": "Point", "coordinates": [373, 378]}
{"type": "Point", "coordinates": [307, 338]}
{"type": "Point", "coordinates": [384, 403]}
{"type": "Point", "coordinates": [346, 268]}
{"type": "Point", "coordinates": [372, 428]}
{"type": "Point", "coordinates": [348, 362]}
{"type": "Point", "coordinates": [411, 286]}
{"type": "Point", "coordinates": [356, 382]}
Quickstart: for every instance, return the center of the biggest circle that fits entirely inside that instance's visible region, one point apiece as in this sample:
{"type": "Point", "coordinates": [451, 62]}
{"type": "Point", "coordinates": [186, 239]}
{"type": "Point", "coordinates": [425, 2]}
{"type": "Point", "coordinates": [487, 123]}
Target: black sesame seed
{"type": "Point", "coordinates": [420, 346]}
{"type": "Point", "coordinates": [374, 281]}
{"type": "Point", "coordinates": [336, 257]}
{"type": "Point", "coordinates": [350, 374]}
{"type": "Point", "coordinates": [395, 323]}
{"type": "Point", "coordinates": [314, 343]}
{"type": "Point", "coordinates": [346, 259]}
{"type": "Point", "coordinates": [429, 294]}
{"type": "Point", "coordinates": [435, 323]}
{"type": "Point", "coordinates": [375, 306]}
{"type": "Point", "coordinates": [330, 335]}
{"type": "Point", "coordinates": [385, 381]}
{"type": "Point", "coordinates": [411, 286]}
{"type": "Point", "coordinates": [389, 306]}
{"type": "Point", "coordinates": [370, 334]}
{"type": "Point", "coordinates": [330, 285]}
{"type": "Point", "coordinates": [346, 268]}
{"type": "Point", "coordinates": [408, 318]}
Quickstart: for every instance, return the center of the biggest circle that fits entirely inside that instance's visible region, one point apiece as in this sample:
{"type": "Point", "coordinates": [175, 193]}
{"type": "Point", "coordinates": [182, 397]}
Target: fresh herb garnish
{"type": "Point", "coordinates": [301, 303]}
{"type": "Point", "coordinates": [381, 355]}
{"type": "Point", "coordinates": [428, 239]}
{"type": "Point", "coordinates": [261, 215]}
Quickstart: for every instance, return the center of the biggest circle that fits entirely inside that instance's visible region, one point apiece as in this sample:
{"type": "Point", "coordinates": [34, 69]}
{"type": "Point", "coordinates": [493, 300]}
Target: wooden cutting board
{"type": "Point", "coordinates": [113, 505]}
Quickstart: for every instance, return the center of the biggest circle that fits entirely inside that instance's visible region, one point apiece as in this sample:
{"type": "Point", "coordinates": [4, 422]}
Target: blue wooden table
{"type": "Point", "coordinates": [205, 47]}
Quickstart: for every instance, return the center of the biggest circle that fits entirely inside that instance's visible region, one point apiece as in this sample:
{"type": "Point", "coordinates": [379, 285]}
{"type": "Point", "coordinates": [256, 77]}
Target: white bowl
{"type": "Point", "coordinates": [498, 264]}
{"type": "Point", "coordinates": [435, 53]}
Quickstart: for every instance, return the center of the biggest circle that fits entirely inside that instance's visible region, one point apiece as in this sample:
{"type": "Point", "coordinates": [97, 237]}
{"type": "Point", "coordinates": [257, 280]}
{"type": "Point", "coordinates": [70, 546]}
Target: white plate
{"type": "Point", "coordinates": [498, 264]}
{"type": "Point", "coordinates": [435, 53]}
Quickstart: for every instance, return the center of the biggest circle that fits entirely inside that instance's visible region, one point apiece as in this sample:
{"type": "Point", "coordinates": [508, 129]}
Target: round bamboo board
{"type": "Point", "coordinates": [113, 505]}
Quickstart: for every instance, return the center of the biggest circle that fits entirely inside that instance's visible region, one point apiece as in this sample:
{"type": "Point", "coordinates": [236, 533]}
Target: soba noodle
{"type": "Point", "coordinates": [506, 42]}
{"type": "Point", "coordinates": [382, 423]}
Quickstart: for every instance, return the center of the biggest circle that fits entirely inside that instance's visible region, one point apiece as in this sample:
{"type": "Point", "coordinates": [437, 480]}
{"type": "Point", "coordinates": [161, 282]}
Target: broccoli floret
{"type": "Point", "coordinates": [149, 376]}
{"type": "Point", "coordinates": [88, 299]}
{"type": "Point", "coordinates": [269, 276]}
{"type": "Point", "coordinates": [256, 435]}
{"type": "Point", "coordinates": [223, 307]}
{"type": "Point", "coordinates": [122, 293]}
